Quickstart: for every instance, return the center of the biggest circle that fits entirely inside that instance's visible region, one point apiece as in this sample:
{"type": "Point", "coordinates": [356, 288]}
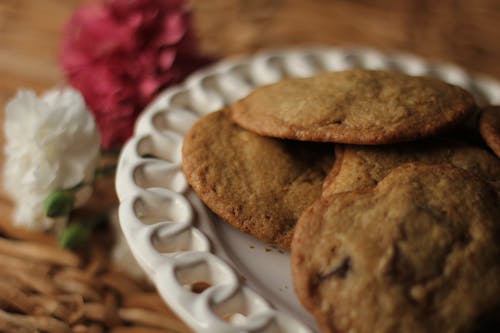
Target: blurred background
{"type": "Point", "coordinates": [464, 32]}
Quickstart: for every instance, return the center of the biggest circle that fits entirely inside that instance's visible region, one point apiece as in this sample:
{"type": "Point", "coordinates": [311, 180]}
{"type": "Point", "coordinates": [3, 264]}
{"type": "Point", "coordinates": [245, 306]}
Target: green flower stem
{"type": "Point", "coordinates": [77, 233]}
{"type": "Point", "coordinates": [59, 203]}
{"type": "Point", "coordinates": [104, 171]}
{"type": "Point", "coordinates": [74, 235]}
{"type": "Point", "coordinates": [110, 152]}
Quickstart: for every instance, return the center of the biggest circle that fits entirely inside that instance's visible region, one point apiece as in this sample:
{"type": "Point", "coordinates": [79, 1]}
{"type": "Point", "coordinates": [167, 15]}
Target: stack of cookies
{"type": "Point", "coordinates": [390, 209]}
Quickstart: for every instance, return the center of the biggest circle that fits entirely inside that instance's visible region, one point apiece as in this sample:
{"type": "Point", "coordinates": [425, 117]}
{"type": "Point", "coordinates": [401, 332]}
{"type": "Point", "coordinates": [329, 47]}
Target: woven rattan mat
{"type": "Point", "coordinates": [44, 288]}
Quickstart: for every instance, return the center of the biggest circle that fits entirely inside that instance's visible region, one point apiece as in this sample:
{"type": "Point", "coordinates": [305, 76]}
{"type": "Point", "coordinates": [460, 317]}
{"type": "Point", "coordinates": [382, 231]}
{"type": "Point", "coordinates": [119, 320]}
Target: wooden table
{"type": "Point", "coordinates": [30, 32]}
{"type": "Point", "coordinates": [462, 32]}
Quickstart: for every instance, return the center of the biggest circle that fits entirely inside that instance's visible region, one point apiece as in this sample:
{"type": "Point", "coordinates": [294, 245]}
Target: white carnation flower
{"type": "Point", "coordinates": [51, 143]}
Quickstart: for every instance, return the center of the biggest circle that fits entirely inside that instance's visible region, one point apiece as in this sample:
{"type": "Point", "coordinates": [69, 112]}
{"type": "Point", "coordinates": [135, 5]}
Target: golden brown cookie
{"type": "Point", "coordinates": [417, 253]}
{"type": "Point", "coordinates": [489, 127]}
{"type": "Point", "coordinates": [360, 167]}
{"type": "Point", "coordinates": [260, 185]}
{"type": "Point", "coordinates": [355, 106]}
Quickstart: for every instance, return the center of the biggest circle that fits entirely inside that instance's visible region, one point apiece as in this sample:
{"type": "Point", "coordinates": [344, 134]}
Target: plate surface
{"type": "Point", "coordinates": [214, 277]}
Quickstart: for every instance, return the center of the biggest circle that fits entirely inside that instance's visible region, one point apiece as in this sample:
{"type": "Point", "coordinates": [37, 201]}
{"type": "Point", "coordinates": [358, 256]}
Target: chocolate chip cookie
{"type": "Point", "coordinates": [359, 167]}
{"type": "Point", "coordinates": [489, 127]}
{"type": "Point", "coordinates": [260, 185]}
{"type": "Point", "coordinates": [354, 106]}
{"type": "Point", "coordinates": [417, 253]}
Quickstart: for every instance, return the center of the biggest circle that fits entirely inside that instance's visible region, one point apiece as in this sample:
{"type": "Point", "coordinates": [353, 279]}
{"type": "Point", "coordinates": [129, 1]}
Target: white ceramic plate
{"type": "Point", "coordinates": [179, 243]}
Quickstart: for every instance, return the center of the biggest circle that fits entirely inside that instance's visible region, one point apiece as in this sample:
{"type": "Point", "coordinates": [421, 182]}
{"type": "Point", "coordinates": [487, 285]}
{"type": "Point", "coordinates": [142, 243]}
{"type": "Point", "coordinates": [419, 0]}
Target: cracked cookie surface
{"type": "Point", "coordinates": [362, 167]}
{"type": "Point", "coordinates": [355, 106]}
{"type": "Point", "coordinates": [260, 185]}
{"type": "Point", "coordinates": [417, 253]}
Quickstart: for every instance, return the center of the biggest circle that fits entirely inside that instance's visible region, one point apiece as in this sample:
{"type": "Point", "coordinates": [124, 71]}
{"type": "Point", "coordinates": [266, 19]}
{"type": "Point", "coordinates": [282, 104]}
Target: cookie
{"type": "Point", "coordinates": [417, 253]}
{"type": "Point", "coordinates": [489, 127]}
{"type": "Point", "coordinates": [259, 185]}
{"type": "Point", "coordinates": [359, 167]}
{"type": "Point", "coordinates": [354, 106]}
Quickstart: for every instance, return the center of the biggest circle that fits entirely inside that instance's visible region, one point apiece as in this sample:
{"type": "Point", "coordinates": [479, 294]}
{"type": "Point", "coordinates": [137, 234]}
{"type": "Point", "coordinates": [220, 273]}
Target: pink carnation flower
{"type": "Point", "coordinates": [121, 52]}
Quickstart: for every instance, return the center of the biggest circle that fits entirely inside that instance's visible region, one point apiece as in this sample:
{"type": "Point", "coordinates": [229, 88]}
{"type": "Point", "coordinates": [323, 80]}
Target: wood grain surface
{"type": "Point", "coordinates": [463, 32]}
{"type": "Point", "coordinates": [459, 31]}
{"type": "Point", "coordinates": [30, 32]}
